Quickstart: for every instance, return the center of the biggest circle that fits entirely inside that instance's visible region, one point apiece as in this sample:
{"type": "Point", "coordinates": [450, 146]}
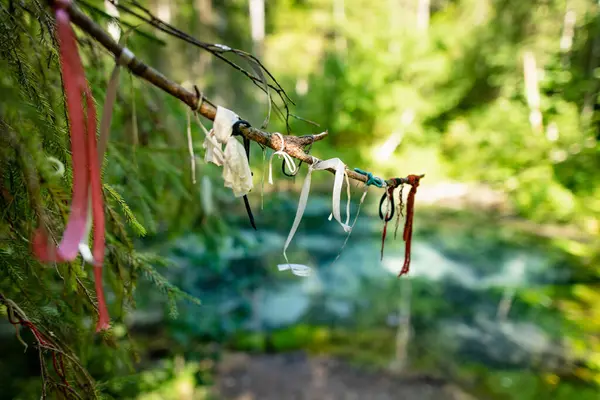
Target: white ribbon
{"type": "Point", "coordinates": [289, 162]}
{"type": "Point", "coordinates": [60, 167]}
{"type": "Point", "coordinates": [126, 56]}
{"type": "Point", "coordinates": [191, 147]}
{"type": "Point", "coordinates": [262, 178]}
{"type": "Point", "coordinates": [340, 172]}
{"type": "Point", "coordinates": [340, 168]}
{"type": "Point", "coordinates": [213, 153]}
{"type": "Point", "coordinates": [301, 207]}
{"type": "Point", "coordinates": [297, 269]}
{"type": "Point", "coordinates": [84, 245]}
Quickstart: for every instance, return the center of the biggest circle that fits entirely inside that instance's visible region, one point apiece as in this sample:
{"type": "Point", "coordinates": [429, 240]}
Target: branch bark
{"type": "Point", "coordinates": [293, 144]}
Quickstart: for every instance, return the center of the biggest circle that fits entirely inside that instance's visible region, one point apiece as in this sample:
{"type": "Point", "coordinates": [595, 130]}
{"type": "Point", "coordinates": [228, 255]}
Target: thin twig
{"type": "Point", "coordinates": [105, 15]}
{"type": "Point", "coordinates": [18, 318]}
{"type": "Point", "coordinates": [216, 50]}
{"type": "Point", "coordinates": [293, 144]}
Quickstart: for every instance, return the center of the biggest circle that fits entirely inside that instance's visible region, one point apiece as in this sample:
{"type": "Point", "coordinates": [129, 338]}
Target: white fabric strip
{"type": "Point", "coordinates": [223, 124]}
{"type": "Point", "coordinates": [213, 154]}
{"type": "Point", "coordinates": [340, 171]}
{"type": "Point", "coordinates": [297, 269]}
{"type": "Point", "coordinates": [289, 161]}
{"type": "Point", "coordinates": [262, 178]}
{"type": "Point", "coordinates": [84, 245]}
{"type": "Point", "coordinates": [60, 167]}
{"type": "Point", "coordinates": [300, 211]}
{"type": "Point", "coordinates": [236, 170]}
{"type": "Point", "coordinates": [191, 147]}
{"type": "Point", "coordinates": [302, 270]}
{"type": "Point", "coordinates": [126, 57]}
{"type": "Point", "coordinates": [219, 135]}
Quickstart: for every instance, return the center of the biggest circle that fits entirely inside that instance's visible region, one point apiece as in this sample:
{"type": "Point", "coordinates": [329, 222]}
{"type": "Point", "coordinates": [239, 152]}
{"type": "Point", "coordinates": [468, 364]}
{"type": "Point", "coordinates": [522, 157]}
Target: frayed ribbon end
{"type": "Point", "coordinates": [297, 269]}
{"type": "Point", "coordinates": [103, 325]}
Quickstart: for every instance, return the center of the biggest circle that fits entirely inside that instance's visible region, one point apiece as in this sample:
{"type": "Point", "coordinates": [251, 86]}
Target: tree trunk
{"type": "Point", "coordinates": [400, 362]}
{"type": "Point", "coordinates": [339, 20]}
{"type": "Point", "coordinates": [532, 93]}
{"type": "Point", "coordinates": [204, 9]}
{"type": "Point", "coordinates": [423, 12]}
{"type": "Point", "coordinates": [257, 26]}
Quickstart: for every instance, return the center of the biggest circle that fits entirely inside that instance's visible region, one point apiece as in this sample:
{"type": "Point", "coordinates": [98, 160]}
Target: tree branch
{"type": "Point", "coordinates": [293, 144]}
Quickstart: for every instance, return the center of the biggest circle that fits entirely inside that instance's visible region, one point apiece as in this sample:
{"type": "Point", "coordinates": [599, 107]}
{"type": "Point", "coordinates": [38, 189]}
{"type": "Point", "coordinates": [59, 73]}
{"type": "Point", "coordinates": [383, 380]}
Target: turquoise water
{"type": "Point", "coordinates": [479, 293]}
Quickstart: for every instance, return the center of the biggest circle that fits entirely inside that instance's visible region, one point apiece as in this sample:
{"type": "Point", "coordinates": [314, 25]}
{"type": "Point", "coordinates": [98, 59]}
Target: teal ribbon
{"type": "Point", "coordinates": [371, 180]}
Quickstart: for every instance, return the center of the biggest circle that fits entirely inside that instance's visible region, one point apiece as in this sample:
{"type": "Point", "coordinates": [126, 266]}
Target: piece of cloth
{"type": "Point", "coordinates": [340, 172]}
{"type": "Point", "coordinates": [219, 135]}
{"type": "Point", "coordinates": [190, 143]}
{"type": "Point", "coordinates": [60, 167]}
{"type": "Point", "coordinates": [236, 170]}
{"type": "Point", "coordinates": [297, 269]}
{"type": "Point", "coordinates": [223, 124]}
{"type": "Point", "coordinates": [214, 153]}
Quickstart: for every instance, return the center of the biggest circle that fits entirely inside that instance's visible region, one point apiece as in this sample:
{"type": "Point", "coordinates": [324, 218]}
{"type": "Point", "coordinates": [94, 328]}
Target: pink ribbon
{"type": "Point", "coordinates": [86, 166]}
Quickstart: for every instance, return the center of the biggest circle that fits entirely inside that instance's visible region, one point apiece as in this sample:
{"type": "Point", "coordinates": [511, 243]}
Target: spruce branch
{"type": "Point", "coordinates": [62, 356]}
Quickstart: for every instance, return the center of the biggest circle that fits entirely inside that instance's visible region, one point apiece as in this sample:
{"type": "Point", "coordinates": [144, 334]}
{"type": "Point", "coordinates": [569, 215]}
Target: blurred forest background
{"type": "Point", "coordinates": [496, 101]}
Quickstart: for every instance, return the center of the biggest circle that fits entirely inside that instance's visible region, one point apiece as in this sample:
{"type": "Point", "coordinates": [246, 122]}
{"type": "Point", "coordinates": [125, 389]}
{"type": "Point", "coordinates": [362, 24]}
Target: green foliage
{"type": "Point", "coordinates": [449, 100]}
{"type": "Point", "coordinates": [139, 195]}
{"type": "Point", "coordinates": [171, 379]}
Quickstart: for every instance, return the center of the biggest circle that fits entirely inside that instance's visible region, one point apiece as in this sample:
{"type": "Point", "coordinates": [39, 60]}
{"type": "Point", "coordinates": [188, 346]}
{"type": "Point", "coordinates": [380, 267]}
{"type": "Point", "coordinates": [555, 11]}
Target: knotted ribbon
{"type": "Point", "coordinates": [282, 154]}
{"type": "Point", "coordinates": [86, 168]}
{"type": "Point", "coordinates": [338, 165]}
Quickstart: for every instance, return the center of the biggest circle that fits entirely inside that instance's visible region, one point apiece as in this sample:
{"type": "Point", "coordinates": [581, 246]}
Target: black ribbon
{"type": "Point", "coordinates": [386, 218]}
{"type": "Point", "coordinates": [236, 132]}
{"type": "Point", "coordinates": [307, 151]}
